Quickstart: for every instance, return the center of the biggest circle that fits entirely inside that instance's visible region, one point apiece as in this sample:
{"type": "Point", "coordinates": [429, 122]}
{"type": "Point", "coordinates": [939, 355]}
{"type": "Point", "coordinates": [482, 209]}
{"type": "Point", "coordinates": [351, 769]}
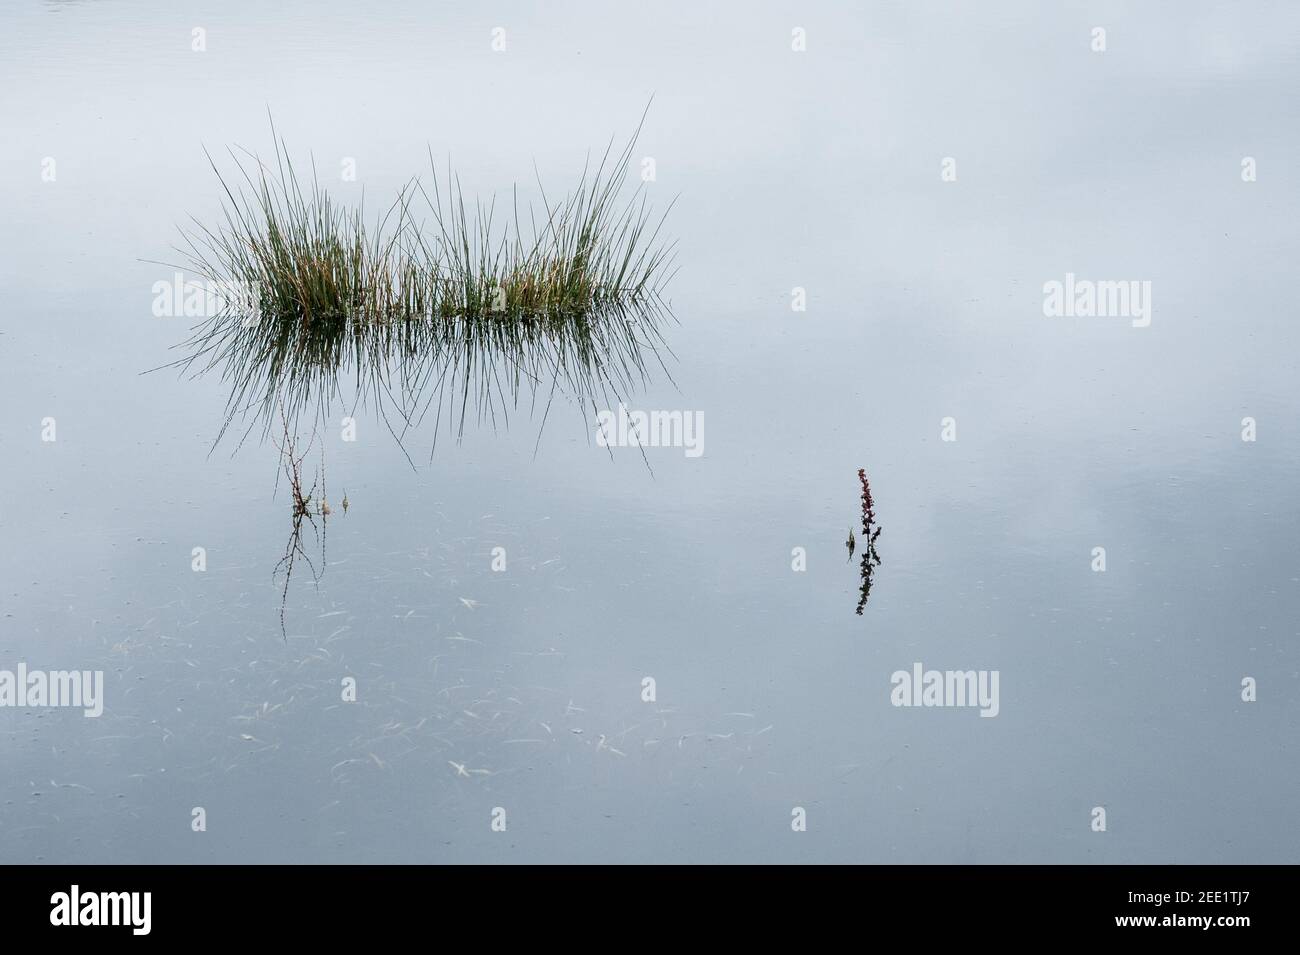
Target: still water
{"type": "Point", "coordinates": [522, 689]}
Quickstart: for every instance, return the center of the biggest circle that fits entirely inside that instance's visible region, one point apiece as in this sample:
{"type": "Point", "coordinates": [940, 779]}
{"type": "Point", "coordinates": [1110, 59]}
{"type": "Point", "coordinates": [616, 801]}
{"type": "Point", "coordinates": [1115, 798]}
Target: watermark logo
{"type": "Point", "coordinates": [1084, 298]}
{"type": "Point", "coordinates": [653, 429]}
{"type": "Point", "coordinates": [922, 687]}
{"type": "Point", "coordinates": [176, 297]}
{"type": "Point", "coordinates": [102, 908]}
{"type": "Point", "coordinates": [39, 688]}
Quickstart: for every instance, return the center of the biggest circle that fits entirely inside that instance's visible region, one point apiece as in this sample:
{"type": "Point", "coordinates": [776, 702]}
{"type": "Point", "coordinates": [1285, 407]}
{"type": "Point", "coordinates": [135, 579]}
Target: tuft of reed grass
{"type": "Point", "coordinates": [471, 313]}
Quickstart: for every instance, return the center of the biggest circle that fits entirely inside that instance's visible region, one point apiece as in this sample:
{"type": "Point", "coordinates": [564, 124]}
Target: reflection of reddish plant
{"type": "Point", "coordinates": [870, 559]}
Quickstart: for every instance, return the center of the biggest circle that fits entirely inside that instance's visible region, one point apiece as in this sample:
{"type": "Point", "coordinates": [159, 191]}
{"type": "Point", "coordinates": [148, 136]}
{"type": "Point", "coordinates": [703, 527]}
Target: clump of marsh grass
{"type": "Point", "coordinates": [463, 316]}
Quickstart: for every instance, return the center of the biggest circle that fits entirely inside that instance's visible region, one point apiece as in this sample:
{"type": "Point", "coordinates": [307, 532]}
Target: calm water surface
{"type": "Point", "coordinates": [817, 170]}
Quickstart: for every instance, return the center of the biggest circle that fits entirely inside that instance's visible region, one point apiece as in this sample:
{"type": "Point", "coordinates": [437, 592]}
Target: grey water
{"type": "Point", "coordinates": [482, 690]}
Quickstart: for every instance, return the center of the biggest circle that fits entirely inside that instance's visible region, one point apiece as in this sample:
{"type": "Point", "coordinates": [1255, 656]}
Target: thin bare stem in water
{"type": "Point", "coordinates": [302, 507]}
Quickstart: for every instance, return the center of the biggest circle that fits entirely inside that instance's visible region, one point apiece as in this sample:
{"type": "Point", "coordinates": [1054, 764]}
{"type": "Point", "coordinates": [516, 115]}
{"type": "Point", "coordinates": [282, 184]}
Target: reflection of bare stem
{"type": "Point", "coordinates": [302, 509]}
{"type": "Point", "coordinates": [870, 559]}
